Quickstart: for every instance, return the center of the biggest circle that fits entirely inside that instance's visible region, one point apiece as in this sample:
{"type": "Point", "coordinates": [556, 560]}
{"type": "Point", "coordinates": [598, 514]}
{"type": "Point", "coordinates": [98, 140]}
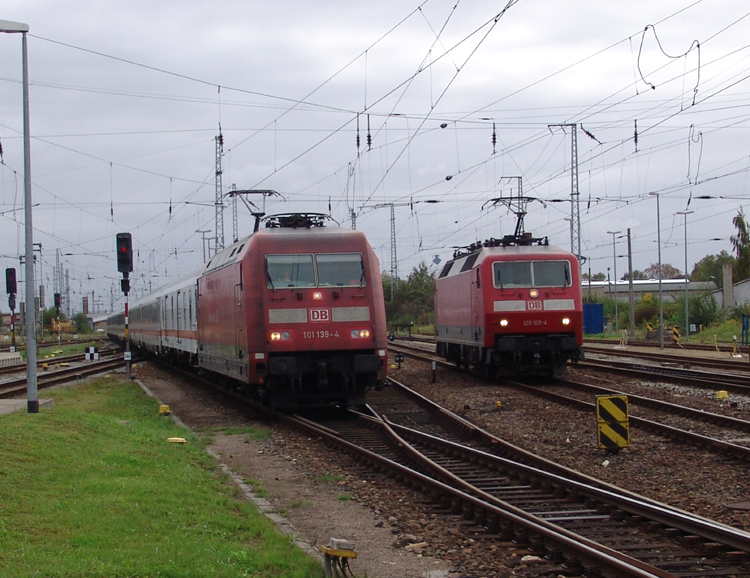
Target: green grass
{"type": "Point", "coordinates": [344, 497]}
{"type": "Point", "coordinates": [65, 348]}
{"type": "Point", "coordinates": [724, 332]}
{"type": "Point", "coordinates": [90, 487]}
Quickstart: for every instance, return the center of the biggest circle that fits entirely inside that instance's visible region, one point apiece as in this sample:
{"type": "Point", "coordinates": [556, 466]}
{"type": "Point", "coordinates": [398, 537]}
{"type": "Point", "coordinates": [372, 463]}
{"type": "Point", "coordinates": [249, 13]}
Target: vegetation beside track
{"type": "Point", "coordinates": [91, 487]}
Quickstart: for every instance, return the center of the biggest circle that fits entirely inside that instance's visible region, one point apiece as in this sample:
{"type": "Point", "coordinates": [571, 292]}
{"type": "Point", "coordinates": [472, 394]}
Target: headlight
{"type": "Point", "coordinates": [534, 293]}
{"type": "Point", "coordinates": [566, 321]}
{"type": "Point", "coordinates": [317, 295]}
{"type": "Point", "coordinates": [503, 323]}
{"type": "Point", "coordinates": [360, 333]}
{"type": "Point", "coordinates": [280, 335]}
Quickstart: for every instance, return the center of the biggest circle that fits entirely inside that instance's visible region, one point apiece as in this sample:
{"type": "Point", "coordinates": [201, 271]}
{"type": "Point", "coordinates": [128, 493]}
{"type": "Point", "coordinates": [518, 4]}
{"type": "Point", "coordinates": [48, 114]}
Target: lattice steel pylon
{"type": "Point", "coordinates": [394, 257]}
{"type": "Point", "coordinates": [219, 199]}
{"type": "Point", "coordinates": [575, 213]}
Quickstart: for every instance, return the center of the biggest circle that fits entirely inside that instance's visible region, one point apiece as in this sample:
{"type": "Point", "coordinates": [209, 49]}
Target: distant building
{"type": "Point", "coordinates": [98, 320]}
{"type": "Point", "coordinates": [672, 289]}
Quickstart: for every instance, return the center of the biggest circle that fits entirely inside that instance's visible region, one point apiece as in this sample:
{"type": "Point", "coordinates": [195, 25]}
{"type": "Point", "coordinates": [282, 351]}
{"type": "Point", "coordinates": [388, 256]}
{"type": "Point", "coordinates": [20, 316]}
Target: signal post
{"type": "Point", "coordinates": [125, 266]}
{"type": "Point", "coordinates": [11, 289]}
{"type": "Point", "coordinates": [58, 303]}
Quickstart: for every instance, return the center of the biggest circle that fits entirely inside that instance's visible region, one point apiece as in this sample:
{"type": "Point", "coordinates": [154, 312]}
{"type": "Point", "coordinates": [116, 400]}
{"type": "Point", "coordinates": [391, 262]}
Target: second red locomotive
{"type": "Point", "coordinates": [293, 315]}
{"type": "Point", "coordinates": [512, 306]}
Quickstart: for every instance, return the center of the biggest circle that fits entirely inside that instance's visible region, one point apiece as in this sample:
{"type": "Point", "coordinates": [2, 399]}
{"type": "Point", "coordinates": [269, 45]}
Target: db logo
{"type": "Point", "coordinates": [320, 314]}
{"type": "Point", "coordinates": [534, 304]}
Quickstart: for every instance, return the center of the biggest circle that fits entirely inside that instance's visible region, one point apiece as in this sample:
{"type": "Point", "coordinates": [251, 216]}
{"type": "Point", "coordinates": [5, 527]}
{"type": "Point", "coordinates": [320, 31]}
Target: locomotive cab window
{"type": "Point", "coordinates": [515, 274]}
{"type": "Point", "coordinates": [340, 270]}
{"type": "Point", "coordinates": [290, 271]}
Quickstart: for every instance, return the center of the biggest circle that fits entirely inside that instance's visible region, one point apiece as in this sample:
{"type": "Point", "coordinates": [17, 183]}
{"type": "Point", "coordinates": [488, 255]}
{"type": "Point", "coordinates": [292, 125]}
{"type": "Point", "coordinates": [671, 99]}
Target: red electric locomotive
{"type": "Point", "coordinates": [295, 313]}
{"type": "Point", "coordinates": [292, 315]}
{"type": "Point", "coordinates": [511, 306]}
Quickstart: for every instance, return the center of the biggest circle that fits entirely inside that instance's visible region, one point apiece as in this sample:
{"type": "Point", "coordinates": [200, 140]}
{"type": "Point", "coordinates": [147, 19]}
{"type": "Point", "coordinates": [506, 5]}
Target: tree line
{"type": "Point", "coordinates": [413, 297]}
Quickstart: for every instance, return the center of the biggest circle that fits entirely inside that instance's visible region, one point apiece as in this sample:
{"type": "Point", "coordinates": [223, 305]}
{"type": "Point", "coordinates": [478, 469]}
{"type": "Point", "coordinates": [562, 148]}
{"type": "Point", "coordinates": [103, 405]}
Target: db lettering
{"type": "Point", "coordinates": [534, 304]}
{"type": "Point", "coordinates": [320, 314]}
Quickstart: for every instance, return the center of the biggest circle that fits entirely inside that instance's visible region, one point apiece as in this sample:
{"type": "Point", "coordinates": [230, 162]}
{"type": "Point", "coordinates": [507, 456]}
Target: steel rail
{"type": "Point", "coordinates": [732, 365]}
{"type": "Point", "coordinates": [665, 430]}
{"type": "Point", "coordinates": [704, 526]}
{"type": "Point", "coordinates": [635, 505]}
{"type": "Point", "coordinates": [703, 379]}
{"type": "Point", "coordinates": [673, 408]}
{"type": "Point", "coordinates": [609, 562]}
{"type": "Point", "coordinates": [15, 387]}
{"type": "Point", "coordinates": [19, 367]}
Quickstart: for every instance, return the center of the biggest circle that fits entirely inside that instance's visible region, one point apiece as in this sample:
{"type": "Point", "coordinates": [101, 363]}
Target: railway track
{"type": "Point", "coordinates": [724, 447]}
{"type": "Point", "coordinates": [685, 375]}
{"type": "Point", "coordinates": [76, 358]}
{"type": "Point", "coordinates": [503, 493]}
{"type": "Point", "coordinates": [719, 437]}
{"type": "Point", "coordinates": [655, 344]}
{"type": "Point", "coordinates": [16, 387]}
{"type": "Point", "coordinates": [52, 343]}
{"type": "Point", "coordinates": [681, 371]}
{"type": "Point", "coordinates": [737, 365]}
{"type": "Point", "coordinates": [494, 492]}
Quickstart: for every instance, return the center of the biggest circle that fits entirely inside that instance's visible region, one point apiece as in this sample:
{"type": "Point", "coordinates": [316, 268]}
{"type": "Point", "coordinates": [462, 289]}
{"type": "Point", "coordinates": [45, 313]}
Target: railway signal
{"type": "Point", "coordinates": [125, 266]}
{"type": "Point", "coordinates": [124, 253]}
{"type": "Point", "coordinates": [11, 289]}
{"type": "Point", "coordinates": [58, 304]}
{"type": "Point", "coordinates": [10, 281]}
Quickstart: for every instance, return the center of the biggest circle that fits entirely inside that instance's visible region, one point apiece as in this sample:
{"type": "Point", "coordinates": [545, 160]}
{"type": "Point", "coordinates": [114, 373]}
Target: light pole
{"type": "Point", "coordinates": [658, 249]}
{"type": "Point", "coordinates": [31, 379]}
{"type": "Point", "coordinates": [614, 257]}
{"type": "Point", "coordinates": [687, 307]}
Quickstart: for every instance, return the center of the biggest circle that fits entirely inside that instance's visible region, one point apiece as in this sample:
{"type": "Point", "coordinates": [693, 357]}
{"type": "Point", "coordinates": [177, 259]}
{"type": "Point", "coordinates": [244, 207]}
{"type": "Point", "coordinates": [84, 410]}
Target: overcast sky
{"type": "Point", "coordinates": [127, 99]}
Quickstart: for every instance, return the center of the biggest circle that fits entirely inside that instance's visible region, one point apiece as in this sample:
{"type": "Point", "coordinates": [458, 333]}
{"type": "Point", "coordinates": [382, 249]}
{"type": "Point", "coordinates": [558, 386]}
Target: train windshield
{"type": "Point", "coordinates": [340, 270]}
{"type": "Point", "coordinates": [513, 274]}
{"type": "Point", "coordinates": [290, 271]}
{"type": "Point", "coordinates": [319, 270]}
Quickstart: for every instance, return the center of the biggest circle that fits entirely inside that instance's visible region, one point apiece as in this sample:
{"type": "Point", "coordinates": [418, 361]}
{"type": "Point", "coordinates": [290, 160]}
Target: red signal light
{"type": "Point", "coordinates": [124, 253]}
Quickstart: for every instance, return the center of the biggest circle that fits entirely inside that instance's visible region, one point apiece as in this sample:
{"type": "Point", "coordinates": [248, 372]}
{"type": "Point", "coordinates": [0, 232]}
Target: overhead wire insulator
{"type": "Point", "coordinates": [494, 138]}
{"type": "Point", "coordinates": [369, 136]}
{"type": "Point", "coordinates": [358, 139]}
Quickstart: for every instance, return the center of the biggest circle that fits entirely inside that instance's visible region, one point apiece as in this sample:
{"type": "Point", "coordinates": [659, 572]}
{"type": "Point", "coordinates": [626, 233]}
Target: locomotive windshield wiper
{"type": "Point", "coordinates": [270, 281]}
{"type": "Point", "coordinates": [362, 279]}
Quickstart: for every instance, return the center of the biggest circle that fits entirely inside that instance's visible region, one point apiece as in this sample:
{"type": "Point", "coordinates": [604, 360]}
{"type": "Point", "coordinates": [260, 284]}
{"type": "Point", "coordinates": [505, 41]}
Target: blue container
{"type": "Point", "coordinates": [593, 318]}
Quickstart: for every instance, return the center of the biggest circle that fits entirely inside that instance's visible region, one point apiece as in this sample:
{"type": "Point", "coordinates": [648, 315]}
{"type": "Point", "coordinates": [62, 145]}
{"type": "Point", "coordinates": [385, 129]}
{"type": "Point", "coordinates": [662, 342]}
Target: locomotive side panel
{"type": "Point", "coordinates": [455, 297]}
{"type": "Point", "coordinates": [222, 345]}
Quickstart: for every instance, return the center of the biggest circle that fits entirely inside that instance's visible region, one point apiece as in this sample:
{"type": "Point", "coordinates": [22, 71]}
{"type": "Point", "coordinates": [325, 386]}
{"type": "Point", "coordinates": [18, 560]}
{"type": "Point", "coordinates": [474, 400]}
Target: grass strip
{"type": "Point", "coordinates": [91, 487]}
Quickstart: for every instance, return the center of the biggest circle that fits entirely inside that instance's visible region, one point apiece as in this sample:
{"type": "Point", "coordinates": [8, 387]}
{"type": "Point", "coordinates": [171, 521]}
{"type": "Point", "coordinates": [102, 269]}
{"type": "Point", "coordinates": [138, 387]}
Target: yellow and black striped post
{"type": "Point", "coordinates": [676, 335]}
{"type": "Point", "coordinates": [612, 421]}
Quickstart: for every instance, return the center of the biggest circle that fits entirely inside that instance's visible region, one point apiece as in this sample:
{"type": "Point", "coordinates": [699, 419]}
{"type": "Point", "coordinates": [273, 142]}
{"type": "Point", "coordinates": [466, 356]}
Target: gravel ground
{"type": "Point", "coordinates": [322, 494]}
{"type": "Point", "coordinates": [685, 477]}
{"type": "Point", "coordinates": [326, 495]}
